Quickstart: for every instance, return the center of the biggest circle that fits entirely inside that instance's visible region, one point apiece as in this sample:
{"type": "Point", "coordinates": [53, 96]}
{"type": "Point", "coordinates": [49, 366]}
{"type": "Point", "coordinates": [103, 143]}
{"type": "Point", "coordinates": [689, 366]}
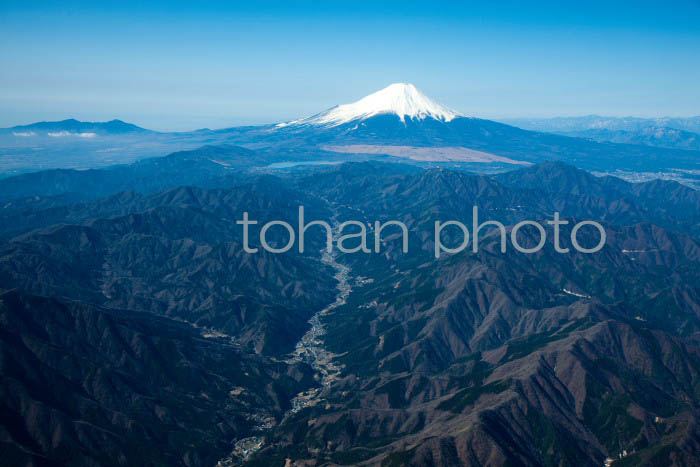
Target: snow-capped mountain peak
{"type": "Point", "coordinates": [400, 99]}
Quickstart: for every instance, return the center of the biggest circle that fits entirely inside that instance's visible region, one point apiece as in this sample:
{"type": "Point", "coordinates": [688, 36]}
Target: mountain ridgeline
{"type": "Point", "coordinates": [135, 330]}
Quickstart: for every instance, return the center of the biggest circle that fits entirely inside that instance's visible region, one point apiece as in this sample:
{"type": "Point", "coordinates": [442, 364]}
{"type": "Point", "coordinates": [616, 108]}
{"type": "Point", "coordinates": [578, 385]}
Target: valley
{"type": "Point", "coordinates": [310, 350]}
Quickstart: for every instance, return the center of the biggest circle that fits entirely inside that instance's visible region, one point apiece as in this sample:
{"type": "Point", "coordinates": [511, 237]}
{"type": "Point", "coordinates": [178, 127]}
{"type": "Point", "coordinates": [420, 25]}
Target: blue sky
{"type": "Point", "coordinates": [180, 65]}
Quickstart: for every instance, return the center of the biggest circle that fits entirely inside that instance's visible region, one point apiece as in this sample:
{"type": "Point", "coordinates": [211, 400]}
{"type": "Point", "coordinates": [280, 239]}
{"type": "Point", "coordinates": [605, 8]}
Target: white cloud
{"type": "Point", "coordinates": [58, 134]}
{"type": "Point", "coordinates": [24, 133]}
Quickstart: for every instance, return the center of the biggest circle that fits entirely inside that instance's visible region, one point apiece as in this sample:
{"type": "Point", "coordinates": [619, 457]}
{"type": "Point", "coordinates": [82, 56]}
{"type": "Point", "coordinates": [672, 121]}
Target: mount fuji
{"type": "Point", "coordinates": [400, 122]}
{"type": "Point", "coordinates": [400, 99]}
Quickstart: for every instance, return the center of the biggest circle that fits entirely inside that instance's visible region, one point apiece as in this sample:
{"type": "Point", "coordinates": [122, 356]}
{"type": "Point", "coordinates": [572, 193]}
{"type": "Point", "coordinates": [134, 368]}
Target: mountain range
{"type": "Point", "coordinates": [72, 127]}
{"type": "Point", "coordinates": [666, 132]}
{"type": "Point", "coordinates": [122, 301]}
{"type": "Point", "coordinates": [591, 122]}
{"type": "Point", "coordinates": [135, 329]}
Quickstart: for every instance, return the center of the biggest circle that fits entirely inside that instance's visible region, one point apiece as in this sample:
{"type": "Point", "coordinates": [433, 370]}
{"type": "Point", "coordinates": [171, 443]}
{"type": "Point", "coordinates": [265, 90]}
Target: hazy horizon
{"type": "Point", "coordinates": [190, 124]}
{"type": "Point", "coordinates": [241, 121]}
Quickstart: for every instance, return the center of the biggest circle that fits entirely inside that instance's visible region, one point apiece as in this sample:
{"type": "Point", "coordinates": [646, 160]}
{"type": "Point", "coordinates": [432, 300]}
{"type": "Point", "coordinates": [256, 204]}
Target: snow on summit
{"type": "Point", "coordinates": [400, 99]}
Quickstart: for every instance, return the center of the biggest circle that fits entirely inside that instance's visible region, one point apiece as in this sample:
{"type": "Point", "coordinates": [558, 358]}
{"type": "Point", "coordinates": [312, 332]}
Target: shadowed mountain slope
{"type": "Point", "coordinates": [149, 322]}
{"type": "Point", "coordinates": [84, 385]}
